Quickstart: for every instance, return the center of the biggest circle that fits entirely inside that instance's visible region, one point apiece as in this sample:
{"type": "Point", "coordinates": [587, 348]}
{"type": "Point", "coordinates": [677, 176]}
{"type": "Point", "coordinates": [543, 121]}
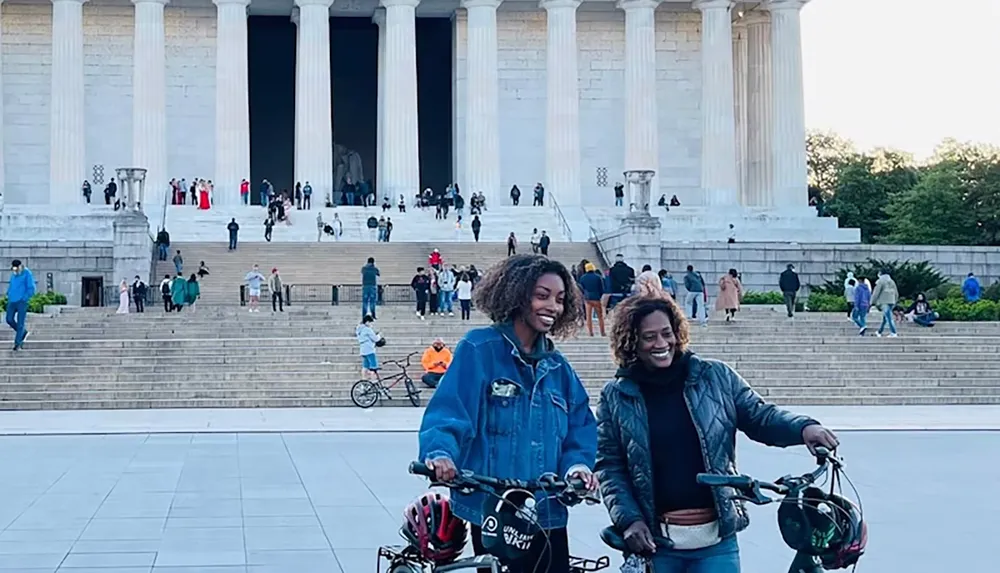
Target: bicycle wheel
{"type": "Point", "coordinates": [364, 394]}
{"type": "Point", "coordinates": [404, 568]}
{"type": "Point", "coordinates": [412, 393]}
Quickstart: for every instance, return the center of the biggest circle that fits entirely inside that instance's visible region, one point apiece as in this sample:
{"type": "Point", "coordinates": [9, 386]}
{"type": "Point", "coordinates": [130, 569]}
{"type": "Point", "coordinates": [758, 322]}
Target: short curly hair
{"type": "Point", "coordinates": [506, 289]}
{"type": "Point", "coordinates": [629, 314]}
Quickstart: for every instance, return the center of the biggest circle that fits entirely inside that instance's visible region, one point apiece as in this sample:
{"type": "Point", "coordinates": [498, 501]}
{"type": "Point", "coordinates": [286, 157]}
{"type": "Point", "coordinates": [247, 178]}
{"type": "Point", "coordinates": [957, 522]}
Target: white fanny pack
{"type": "Point", "coordinates": [688, 537]}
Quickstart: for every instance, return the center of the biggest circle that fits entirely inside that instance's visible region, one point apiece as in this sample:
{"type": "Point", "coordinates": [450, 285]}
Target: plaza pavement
{"type": "Point", "coordinates": [223, 501]}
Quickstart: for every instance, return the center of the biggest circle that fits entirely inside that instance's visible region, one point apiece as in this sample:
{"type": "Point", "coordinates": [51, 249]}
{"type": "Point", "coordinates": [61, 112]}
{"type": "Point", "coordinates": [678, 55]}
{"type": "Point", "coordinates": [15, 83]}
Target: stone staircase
{"type": "Point", "coordinates": [316, 267]}
{"type": "Point", "coordinates": [225, 357]}
{"type": "Point", "coordinates": [187, 223]}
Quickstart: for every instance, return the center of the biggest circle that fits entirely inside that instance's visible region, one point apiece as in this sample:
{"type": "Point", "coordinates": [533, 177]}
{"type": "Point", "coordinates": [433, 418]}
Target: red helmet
{"type": "Point", "coordinates": [432, 529]}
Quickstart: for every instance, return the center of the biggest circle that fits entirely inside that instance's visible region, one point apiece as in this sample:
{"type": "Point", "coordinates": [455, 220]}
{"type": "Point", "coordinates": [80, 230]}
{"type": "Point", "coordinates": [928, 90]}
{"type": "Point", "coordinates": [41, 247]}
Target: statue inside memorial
{"type": "Point", "coordinates": [346, 164]}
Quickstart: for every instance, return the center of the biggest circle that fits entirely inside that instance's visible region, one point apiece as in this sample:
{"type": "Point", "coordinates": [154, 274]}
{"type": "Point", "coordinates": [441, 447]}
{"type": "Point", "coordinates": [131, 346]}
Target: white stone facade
{"type": "Point", "coordinates": [565, 127]}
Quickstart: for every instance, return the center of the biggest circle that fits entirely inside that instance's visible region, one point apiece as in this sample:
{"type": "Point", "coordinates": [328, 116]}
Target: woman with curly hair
{"type": "Point", "coordinates": [511, 406]}
{"type": "Point", "coordinates": [668, 416]}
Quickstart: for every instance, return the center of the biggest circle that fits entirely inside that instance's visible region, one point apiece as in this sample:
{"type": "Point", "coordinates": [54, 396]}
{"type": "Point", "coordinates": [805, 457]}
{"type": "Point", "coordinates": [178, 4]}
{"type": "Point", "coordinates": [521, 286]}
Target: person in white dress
{"type": "Point", "coordinates": [122, 298]}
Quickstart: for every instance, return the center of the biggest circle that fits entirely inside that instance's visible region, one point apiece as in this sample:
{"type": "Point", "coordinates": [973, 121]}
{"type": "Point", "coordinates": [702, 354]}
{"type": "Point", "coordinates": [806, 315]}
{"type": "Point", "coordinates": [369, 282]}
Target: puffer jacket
{"type": "Point", "coordinates": [720, 402]}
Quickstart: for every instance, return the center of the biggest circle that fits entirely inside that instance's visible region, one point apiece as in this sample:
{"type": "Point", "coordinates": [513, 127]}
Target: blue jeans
{"type": "Point", "coordinates": [17, 314]}
{"type": "Point", "coordinates": [246, 198]}
{"type": "Point", "coordinates": [444, 301]}
{"type": "Point", "coordinates": [164, 250]}
{"type": "Point", "coordinates": [887, 319]}
{"type": "Point", "coordinates": [232, 241]}
{"type": "Point", "coordinates": [369, 298]}
{"type": "Point", "coordinates": [618, 201]}
{"type": "Point", "coordinates": [723, 557]}
{"type": "Point", "coordinates": [860, 317]}
{"type": "Point", "coordinates": [178, 267]}
{"type": "Point", "coordinates": [350, 199]}
{"type": "Point", "coordinates": [926, 319]}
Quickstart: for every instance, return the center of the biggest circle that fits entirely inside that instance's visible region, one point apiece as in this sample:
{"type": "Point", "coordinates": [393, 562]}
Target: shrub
{"type": "Point", "coordinates": [751, 297]}
{"type": "Point", "coordinates": [911, 278]}
{"type": "Point", "coordinates": [820, 302]}
{"type": "Point", "coordinates": [961, 311]}
{"type": "Point", "coordinates": [39, 301]}
{"type": "Point", "coordinates": [947, 290]}
{"type": "Point", "coordinates": [991, 292]}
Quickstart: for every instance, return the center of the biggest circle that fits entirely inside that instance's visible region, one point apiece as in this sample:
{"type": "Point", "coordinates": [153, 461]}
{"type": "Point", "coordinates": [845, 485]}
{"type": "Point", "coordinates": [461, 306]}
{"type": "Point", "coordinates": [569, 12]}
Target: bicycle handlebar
{"type": "Point", "coordinates": [750, 488]}
{"type": "Point", "coordinates": [464, 480]}
{"type": "Point", "coordinates": [403, 362]}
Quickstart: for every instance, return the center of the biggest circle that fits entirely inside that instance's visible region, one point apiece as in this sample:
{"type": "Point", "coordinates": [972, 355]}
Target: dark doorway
{"type": "Point", "coordinates": [92, 289]}
{"type": "Point", "coordinates": [271, 63]}
{"type": "Point", "coordinates": [434, 101]}
{"type": "Point", "coordinates": [354, 85]}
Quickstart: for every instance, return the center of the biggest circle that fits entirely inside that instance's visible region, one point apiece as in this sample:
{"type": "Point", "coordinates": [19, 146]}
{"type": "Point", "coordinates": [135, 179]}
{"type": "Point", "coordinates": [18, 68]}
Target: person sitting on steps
{"type": "Point", "coordinates": [435, 361]}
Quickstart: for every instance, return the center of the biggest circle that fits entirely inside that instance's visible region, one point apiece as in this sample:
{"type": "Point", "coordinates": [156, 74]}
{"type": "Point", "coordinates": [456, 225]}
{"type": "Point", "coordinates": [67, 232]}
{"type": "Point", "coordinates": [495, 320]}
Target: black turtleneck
{"type": "Point", "coordinates": [673, 440]}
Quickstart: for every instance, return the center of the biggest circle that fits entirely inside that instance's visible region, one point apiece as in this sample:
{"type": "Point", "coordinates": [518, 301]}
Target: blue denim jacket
{"type": "Point", "coordinates": [546, 426]}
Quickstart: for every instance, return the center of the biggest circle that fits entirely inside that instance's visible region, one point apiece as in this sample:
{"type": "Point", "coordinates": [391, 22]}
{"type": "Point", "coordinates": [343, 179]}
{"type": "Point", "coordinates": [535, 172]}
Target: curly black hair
{"type": "Point", "coordinates": [506, 289]}
{"type": "Point", "coordinates": [629, 314]}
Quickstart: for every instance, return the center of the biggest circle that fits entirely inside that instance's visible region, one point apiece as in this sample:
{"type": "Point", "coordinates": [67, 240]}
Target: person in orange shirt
{"type": "Point", "coordinates": [435, 361]}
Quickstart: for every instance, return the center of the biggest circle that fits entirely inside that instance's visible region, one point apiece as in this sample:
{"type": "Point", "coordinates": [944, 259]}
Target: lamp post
{"type": "Point", "coordinates": [133, 183]}
{"type": "Point", "coordinates": [639, 181]}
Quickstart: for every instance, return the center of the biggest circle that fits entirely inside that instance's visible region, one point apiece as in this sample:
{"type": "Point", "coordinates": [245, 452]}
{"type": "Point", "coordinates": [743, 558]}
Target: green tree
{"type": "Point", "coordinates": [978, 168]}
{"type": "Point", "coordinates": [825, 155]}
{"type": "Point", "coordinates": [933, 212]}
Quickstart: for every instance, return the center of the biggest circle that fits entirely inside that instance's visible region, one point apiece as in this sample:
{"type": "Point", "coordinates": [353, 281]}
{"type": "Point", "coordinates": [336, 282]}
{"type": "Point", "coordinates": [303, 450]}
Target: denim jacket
{"type": "Point", "coordinates": [544, 425]}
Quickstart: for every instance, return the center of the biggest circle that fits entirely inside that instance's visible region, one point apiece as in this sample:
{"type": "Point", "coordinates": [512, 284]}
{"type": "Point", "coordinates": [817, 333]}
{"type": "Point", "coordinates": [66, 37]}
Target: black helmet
{"type": "Point", "coordinates": [510, 524]}
{"type": "Point", "coordinates": [825, 525]}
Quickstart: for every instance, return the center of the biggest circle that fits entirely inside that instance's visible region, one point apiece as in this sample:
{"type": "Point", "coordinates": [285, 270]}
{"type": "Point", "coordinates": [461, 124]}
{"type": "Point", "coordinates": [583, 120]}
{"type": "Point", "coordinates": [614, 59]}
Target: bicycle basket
{"type": "Point", "coordinates": [510, 524]}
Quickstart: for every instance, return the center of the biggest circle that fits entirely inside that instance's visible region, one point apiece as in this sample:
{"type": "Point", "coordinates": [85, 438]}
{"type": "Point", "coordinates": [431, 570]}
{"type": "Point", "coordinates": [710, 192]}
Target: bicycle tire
{"type": "Point", "coordinates": [411, 392]}
{"type": "Point", "coordinates": [403, 568]}
{"type": "Point", "coordinates": [364, 394]}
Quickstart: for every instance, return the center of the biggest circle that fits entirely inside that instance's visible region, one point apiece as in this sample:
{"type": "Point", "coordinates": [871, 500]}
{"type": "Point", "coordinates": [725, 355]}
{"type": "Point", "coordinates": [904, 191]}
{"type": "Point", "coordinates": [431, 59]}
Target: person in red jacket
{"type": "Point", "coordinates": [245, 192]}
{"type": "Point", "coordinates": [435, 259]}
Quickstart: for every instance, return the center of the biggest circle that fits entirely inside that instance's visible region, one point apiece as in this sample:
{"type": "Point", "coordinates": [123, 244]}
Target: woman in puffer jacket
{"type": "Point", "coordinates": [646, 464]}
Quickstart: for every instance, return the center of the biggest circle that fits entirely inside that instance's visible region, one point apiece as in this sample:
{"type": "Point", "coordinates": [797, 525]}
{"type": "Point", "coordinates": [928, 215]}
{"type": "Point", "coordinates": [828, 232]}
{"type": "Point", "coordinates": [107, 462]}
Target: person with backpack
{"type": "Point", "coordinates": [885, 296]}
{"type": "Point", "coordinates": [168, 304]}
{"type": "Point", "coordinates": [695, 286]}
{"type": "Point", "coordinates": [862, 304]}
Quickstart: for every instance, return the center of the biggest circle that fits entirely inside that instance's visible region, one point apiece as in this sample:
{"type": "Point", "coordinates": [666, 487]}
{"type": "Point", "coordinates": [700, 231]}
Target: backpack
{"type": "Point", "coordinates": [165, 288]}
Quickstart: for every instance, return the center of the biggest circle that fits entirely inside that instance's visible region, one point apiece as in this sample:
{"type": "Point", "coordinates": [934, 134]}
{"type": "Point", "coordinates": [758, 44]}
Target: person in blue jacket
{"type": "Point", "coordinates": [971, 289]}
{"type": "Point", "coordinates": [20, 289]}
{"type": "Point", "coordinates": [510, 405]}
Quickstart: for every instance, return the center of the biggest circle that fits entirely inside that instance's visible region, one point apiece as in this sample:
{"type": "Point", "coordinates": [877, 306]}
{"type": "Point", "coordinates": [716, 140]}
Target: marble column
{"type": "Point", "coordinates": [313, 111]}
{"type": "Point", "coordinates": [298, 108]}
{"type": "Point", "coordinates": [400, 136]}
{"type": "Point", "coordinates": [379, 19]}
{"type": "Point", "coordinates": [562, 109]}
{"type": "Point", "coordinates": [740, 109]}
{"type": "Point", "coordinates": [482, 119]}
{"type": "Point", "coordinates": [718, 118]}
{"type": "Point", "coordinates": [149, 101]}
{"type": "Point", "coordinates": [67, 168]}
{"type": "Point", "coordinates": [788, 135]}
{"type": "Point", "coordinates": [3, 173]}
{"type": "Point", "coordinates": [642, 146]}
{"type": "Point", "coordinates": [759, 109]}
{"type": "Point", "coordinates": [232, 101]}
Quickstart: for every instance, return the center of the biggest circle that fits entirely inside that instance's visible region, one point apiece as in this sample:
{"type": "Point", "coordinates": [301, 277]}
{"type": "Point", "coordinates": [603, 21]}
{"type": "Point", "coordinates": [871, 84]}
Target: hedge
{"type": "Point", "coordinates": [39, 301]}
{"type": "Point", "coordinates": [769, 298]}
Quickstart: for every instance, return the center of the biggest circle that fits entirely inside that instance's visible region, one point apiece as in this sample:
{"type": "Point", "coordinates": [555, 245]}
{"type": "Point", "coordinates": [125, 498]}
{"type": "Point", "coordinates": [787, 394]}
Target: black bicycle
{"type": "Point", "coordinates": [407, 559]}
{"type": "Point", "coordinates": [366, 393]}
{"type": "Point", "coordinates": [751, 490]}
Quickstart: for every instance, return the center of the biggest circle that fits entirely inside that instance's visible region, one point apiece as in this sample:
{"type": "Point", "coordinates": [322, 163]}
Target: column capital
{"type": "Point", "coordinates": [326, 3]}
{"type": "Point", "coordinates": [394, 3]}
{"type": "Point", "coordinates": [70, 1]}
{"type": "Point", "coordinates": [775, 5]}
{"type": "Point", "coordinates": [713, 4]}
{"type": "Point", "coordinates": [378, 18]}
{"type": "Point", "coordinates": [163, 2]}
{"type": "Point", "coordinates": [296, 13]}
{"type": "Point", "coordinates": [481, 4]}
{"type": "Point", "coordinates": [628, 5]}
{"type": "Point", "coordinates": [756, 17]}
{"type": "Point", "coordinates": [550, 4]}
{"type": "Point", "coordinates": [238, 2]}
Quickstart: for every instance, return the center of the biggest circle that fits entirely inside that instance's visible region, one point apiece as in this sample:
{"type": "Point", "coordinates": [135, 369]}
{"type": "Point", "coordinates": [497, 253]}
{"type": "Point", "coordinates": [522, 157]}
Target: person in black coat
{"type": "Point", "coordinates": [477, 225]}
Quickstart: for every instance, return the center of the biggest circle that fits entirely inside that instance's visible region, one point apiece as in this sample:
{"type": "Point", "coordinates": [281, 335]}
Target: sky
{"type": "Point", "coordinates": [903, 74]}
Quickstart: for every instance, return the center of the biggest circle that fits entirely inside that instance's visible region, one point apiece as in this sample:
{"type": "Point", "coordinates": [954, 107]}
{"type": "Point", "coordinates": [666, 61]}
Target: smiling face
{"type": "Point", "coordinates": [656, 341]}
{"type": "Point", "coordinates": [546, 305]}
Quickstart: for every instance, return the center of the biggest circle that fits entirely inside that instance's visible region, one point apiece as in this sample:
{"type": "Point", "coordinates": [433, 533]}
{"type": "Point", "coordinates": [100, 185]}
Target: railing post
{"type": "Point", "coordinates": [243, 295]}
{"type": "Point", "coordinates": [288, 295]}
{"type": "Point", "coordinates": [334, 295]}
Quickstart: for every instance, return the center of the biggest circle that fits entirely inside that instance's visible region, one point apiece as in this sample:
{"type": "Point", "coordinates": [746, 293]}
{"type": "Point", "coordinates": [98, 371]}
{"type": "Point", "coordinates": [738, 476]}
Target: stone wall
{"type": "Point", "coordinates": [760, 264]}
{"type": "Point", "coordinates": [108, 35]}
{"type": "Point", "coordinates": [68, 262]}
{"type": "Point", "coordinates": [521, 35]}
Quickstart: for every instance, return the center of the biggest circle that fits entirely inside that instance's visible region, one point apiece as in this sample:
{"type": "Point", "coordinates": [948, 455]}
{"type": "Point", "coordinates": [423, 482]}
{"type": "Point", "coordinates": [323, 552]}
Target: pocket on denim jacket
{"type": "Point", "coordinates": [501, 415]}
{"type": "Point", "coordinates": [560, 415]}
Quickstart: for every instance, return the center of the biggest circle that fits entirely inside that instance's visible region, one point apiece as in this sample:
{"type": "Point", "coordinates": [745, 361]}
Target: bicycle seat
{"type": "Point", "coordinates": [613, 539]}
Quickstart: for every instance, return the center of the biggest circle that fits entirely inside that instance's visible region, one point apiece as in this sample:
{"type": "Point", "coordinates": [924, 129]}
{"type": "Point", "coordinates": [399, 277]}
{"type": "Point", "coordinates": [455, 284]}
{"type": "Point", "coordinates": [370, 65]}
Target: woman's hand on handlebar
{"type": "Point", "coordinates": [815, 435]}
{"type": "Point", "coordinates": [586, 476]}
{"type": "Point", "coordinates": [444, 469]}
{"type": "Point", "coordinates": [639, 538]}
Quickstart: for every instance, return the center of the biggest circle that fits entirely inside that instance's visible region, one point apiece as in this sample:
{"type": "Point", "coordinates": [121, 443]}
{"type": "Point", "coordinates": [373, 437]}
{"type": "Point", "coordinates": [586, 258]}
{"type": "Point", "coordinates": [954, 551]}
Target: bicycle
{"type": "Point", "coordinates": [751, 490]}
{"type": "Point", "coordinates": [366, 393]}
{"type": "Point", "coordinates": [407, 559]}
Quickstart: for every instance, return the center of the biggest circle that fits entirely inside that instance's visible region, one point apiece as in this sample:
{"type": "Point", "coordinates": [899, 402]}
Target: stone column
{"type": "Point", "coordinates": [67, 136]}
{"type": "Point", "coordinates": [400, 137]}
{"type": "Point", "coordinates": [788, 134]}
{"type": "Point", "coordinates": [740, 109]}
{"type": "Point", "coordinates": [298, 108]}
{"type": "Point", "coordinates": [759, 109]}
{"type": "Point", "coordinates": [642, 146]}
{"type": "Point", "coordinates": [313, 112]}
{"type": "Point", "coordinates": [232, 101]}
{"type": "Point", "coordinates": [149, 101]}
{"type": "Point", "coordinates": [379, 18]}
{"type": "Point", "coordinates": [3, 174]}
{"type": "Point", "coordinates": [482, 119]}
{"type": "Point", "coordinates": [562, 111]}
{"type": "Point", "coordinates": [718, 121]}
